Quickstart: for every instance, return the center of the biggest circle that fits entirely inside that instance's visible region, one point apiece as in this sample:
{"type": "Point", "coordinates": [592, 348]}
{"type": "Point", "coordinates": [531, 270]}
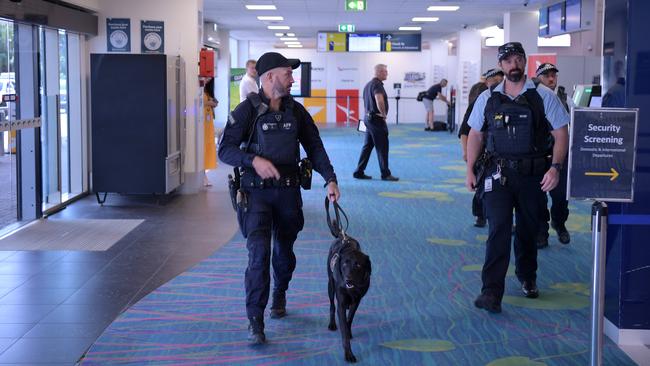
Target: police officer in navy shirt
{"type": "Point", "coordinates": [547, 74]}
{"type": "Point", "coordinates": [271, 125]}
{"type": "Point", "coordinates": [375, 102]}
{"type": "Point", "coordinates": [519, 120]}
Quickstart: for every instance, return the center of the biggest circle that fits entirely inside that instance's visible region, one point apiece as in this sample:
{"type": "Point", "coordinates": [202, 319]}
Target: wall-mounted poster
{"type": "Point", "coordinates": [347, 106]}
{"type": "Point", "coordinates": [153, 36]}
{"type": "Point", "coordinates": [536, 59]}
{"type": "Point", "coordinates": [118, 35]}
{"type": "Point", "coordinates": [236, 74]}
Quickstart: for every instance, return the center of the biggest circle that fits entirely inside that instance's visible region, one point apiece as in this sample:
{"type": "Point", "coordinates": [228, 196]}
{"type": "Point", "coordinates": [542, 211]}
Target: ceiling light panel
{"type": "Point", "coordinates": [273, 17]}
{"type": "Point", "coordinates": [294, 45]}
{"type": "Point", "coordinates": [443, 8]}
{"type": "Point", "coordinates": [292, 42]}
{"type": "Point", "coordinates": [425, 19]}
{"type": "Point", "coordinates": [261, 7]}
{"type": "Point", "coordinates": [410, 28]}
{"type": "Point", "coordinates": [278, 27]}
{"type": "Point", "coordinates": [289, 39]}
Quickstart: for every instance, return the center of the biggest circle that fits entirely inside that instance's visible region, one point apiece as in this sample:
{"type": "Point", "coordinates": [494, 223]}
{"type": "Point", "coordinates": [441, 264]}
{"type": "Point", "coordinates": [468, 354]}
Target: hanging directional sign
{"type": "Point", "coordinates": [355, 5]}
{"type": "Point", "coordinates": [346, 28]}
{"type": "Point", "coordinates": [602, 154]}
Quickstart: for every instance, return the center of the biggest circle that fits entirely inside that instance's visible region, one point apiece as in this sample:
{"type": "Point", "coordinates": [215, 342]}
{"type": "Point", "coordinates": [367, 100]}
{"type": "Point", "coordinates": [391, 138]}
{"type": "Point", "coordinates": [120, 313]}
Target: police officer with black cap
{"type": "Point", "coordinates": [262, 138]}
{"type": "Point", "coordinates": [547, 74]}
{"type": "Point", "coordinates": [519, 120]}
{"type": "Point", "coordinates": [492, 78]}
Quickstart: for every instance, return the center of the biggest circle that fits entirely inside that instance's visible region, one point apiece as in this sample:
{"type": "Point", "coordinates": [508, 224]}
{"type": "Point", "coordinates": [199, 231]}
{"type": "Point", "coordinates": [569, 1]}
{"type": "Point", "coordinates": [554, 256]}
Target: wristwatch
{"type": "Point", "coordinates": [557, 166]}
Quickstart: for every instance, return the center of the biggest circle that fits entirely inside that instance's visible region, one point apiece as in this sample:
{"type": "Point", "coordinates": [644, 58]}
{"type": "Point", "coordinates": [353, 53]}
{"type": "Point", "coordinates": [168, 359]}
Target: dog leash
{"type": "Point", "coordinates": [336, 227]}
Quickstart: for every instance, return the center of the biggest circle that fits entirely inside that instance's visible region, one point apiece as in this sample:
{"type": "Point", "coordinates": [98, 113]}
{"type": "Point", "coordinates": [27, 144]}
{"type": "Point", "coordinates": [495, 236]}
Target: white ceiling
{"type": "Point", "coordinates": [307, 17]}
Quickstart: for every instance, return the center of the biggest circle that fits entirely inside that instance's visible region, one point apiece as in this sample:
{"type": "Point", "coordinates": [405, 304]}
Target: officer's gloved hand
{"type": "Point", "coordinates": [265, 168]}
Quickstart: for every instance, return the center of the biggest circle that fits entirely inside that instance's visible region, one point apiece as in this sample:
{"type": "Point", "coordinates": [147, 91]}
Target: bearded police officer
{"type": "Point", "coordinates": [519, 120]}
{"type": "Point", "coordinates": [271, 125]}
{"type": "Point", "coordinates": [547, 74]}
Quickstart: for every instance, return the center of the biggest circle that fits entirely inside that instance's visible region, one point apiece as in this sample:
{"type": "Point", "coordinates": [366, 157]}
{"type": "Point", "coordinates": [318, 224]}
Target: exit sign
{"type": "Point", "coordinates": [346, 28]}
{"type": "Point", "coordinates": [355, 5]}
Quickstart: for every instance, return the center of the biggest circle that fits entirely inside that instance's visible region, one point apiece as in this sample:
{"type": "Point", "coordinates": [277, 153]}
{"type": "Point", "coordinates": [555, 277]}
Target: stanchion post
{"type": "Point", "coordinates": [599, 240]}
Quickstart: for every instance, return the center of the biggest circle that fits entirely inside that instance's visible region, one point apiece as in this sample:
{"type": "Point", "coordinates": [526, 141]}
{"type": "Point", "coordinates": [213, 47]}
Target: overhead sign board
{"type": "Point", "coordinates": [346, 28]}
{"type": "Point", "coordinates": [602, 154]}
{"type": "Point", "coordinates": [397, 42]}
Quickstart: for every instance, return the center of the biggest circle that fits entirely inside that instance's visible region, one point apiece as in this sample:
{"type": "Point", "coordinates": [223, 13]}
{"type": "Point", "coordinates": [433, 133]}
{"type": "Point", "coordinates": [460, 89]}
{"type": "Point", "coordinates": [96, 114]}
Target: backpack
{"type": "Point", "coordinates": [421, 96]}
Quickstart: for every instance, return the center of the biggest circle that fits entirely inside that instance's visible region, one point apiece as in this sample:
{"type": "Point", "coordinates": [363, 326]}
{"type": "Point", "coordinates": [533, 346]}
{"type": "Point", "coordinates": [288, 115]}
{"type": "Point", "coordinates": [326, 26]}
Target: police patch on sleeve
{"type": "Point", "coordinates": [231, 119]}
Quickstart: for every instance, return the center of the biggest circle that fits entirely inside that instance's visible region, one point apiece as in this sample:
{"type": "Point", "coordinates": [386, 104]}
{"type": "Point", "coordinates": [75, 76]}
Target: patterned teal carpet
{"type": "Point", "coordinates": [426, 273]}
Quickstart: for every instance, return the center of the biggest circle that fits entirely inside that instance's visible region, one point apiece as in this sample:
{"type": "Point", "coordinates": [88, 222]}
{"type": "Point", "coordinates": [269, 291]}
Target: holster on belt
{"type": "Point", "coordinates": [234, 185]}
{"type": "Point", "coordinates": [480, 170]}
{"type": "Point", "coordinates": [305, 173]}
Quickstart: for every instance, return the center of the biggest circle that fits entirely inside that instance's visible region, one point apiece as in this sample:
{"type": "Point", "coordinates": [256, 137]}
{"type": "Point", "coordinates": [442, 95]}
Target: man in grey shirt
{"type": "Point", "coordinates": [519, 120]}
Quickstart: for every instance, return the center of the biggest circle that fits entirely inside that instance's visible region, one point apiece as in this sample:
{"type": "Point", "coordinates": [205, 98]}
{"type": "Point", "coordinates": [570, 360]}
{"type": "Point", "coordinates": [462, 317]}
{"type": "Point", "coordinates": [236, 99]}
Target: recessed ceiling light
{"type": "Point", "coordinates": [278, 27]}
{"type": "Point", "coordinates": [443, 8]}
{"type": "Point", "coordinates": [261, 7]}
{"type": "Point", "coordinates": [279, 34]}
{"type": "Point", "coordinates": [292, 42]}
{"type": "Point", "coordinates": [410, 28]}
{"type": "Point", "coordinates": [289, 39]}
{"type": "Point", "coordinates": [263, 17]}
{"type": "Point", "coordinates": [294, 45]}
{"type": "Point", "coordinates": [291, 34]}
{"type": "Point", "coordinates": [425, 19]}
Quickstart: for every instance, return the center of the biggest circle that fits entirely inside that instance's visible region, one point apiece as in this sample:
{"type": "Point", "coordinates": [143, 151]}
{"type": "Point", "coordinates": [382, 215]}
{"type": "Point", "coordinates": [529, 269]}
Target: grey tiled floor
{"type": "Point", "coordinates": [54, 304]}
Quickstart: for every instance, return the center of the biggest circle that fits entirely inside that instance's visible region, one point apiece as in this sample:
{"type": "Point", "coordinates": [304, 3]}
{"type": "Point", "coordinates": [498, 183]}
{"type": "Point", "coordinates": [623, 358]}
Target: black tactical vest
{"type": "Point", "coordinates": [517, 129]}
{"type": "Point", "coordinates": [276, 134]}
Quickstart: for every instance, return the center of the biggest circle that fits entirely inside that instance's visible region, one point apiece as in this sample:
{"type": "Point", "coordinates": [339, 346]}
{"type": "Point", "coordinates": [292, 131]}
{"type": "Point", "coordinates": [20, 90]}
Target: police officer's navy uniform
{"type": "Point", "coordinates": [376, 130]}
{"type": "Point", "coordinates": [274, 207]}
{"type": "Point", "coordinates": [518, 138]}
{"type": "Point", "coordinates": [559, 212]}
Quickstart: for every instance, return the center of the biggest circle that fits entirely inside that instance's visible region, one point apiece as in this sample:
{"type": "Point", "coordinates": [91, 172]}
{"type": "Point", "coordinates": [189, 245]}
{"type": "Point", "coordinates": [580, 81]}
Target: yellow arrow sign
{"type": "Point", "coordinates": [613, 174]}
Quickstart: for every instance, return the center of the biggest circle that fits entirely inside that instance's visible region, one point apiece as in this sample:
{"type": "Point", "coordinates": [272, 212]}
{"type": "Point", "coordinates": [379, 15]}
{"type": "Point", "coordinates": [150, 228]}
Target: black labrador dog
{"type": "Point", "coordinates": [348, 270]}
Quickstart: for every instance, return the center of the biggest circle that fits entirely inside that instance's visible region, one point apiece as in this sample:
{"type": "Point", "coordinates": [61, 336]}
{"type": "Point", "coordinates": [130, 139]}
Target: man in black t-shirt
{"type": "Point", "coordinates": [434, 92]}
{"type": "Point", "coordinates": [375, 102]}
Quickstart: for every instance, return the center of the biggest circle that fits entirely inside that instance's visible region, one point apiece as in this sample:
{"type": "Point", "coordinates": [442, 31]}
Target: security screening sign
{"type": "Point", "coordinates": [602, 154]}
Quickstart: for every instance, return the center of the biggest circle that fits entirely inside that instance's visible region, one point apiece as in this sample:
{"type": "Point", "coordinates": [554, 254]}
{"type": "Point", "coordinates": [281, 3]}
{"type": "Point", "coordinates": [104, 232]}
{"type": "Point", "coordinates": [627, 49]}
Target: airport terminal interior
{"type": "Point", "coordinates": [119, 244]}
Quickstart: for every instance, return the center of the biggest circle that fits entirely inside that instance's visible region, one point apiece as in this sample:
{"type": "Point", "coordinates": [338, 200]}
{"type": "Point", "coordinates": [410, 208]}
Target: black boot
{"type": "Point", "coordinates": [279, 305]}
{"type": "Point", "coordinates": [256, 330]}
{"type": "Point", "coordinates": [562, 233]}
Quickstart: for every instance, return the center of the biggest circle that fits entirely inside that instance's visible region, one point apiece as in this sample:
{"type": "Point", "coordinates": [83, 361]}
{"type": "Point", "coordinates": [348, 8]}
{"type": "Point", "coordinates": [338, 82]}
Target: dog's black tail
{"type": "Point", "coordinates": [336, 226]}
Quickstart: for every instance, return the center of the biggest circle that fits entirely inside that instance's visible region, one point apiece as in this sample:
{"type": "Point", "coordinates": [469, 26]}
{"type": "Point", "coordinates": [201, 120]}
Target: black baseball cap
{"type": "Point", "coordinates": [511, 48]}
{"type": "Point", "coordinates": [544, 68]}
{"type": "Point", "coordinates": [271, 60]}
{"type": "Point", "coordinates": [492, 72]}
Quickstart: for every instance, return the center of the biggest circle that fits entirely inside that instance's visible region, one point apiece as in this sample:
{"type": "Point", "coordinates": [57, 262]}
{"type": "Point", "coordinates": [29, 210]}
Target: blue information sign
{"type": "Point", "coordinates": [602, 154]}
{"type": "Point", "coordinates": [118, 35]}
{"type": "Point", "coordinates": [152, 36]}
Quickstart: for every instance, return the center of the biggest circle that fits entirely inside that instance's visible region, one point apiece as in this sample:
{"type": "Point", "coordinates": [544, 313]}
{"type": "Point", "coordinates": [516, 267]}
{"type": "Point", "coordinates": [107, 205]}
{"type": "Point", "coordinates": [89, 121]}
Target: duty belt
{"type": "Point", "coordinates": [525, 166]}
{"type": "Point", "coordinates": [255, 181]}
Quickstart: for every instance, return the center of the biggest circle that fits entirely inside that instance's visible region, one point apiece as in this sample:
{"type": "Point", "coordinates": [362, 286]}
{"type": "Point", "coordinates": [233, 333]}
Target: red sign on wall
{"type": "Point", "coordinates": [536, 59]}
{"type": "Point", "coordinates": [345, 111]}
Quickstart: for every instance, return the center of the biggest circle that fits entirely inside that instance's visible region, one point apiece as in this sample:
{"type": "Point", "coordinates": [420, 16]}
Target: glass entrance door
{"type": "Point", "coordinates": [8, 151]}
{"type": "Point", "coordinates": [61, 132]}
{"type": "Point", "coordinates": [50, 117]}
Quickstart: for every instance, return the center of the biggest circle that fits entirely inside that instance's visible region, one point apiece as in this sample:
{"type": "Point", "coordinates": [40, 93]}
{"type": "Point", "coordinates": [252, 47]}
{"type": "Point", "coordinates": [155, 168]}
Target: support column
{"type": "Point", "coordinates": [469, 67]}
{"type": "Point", "coordinates": [222, 81]}
{"type": "Point", "coordinates": [522, 27]}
